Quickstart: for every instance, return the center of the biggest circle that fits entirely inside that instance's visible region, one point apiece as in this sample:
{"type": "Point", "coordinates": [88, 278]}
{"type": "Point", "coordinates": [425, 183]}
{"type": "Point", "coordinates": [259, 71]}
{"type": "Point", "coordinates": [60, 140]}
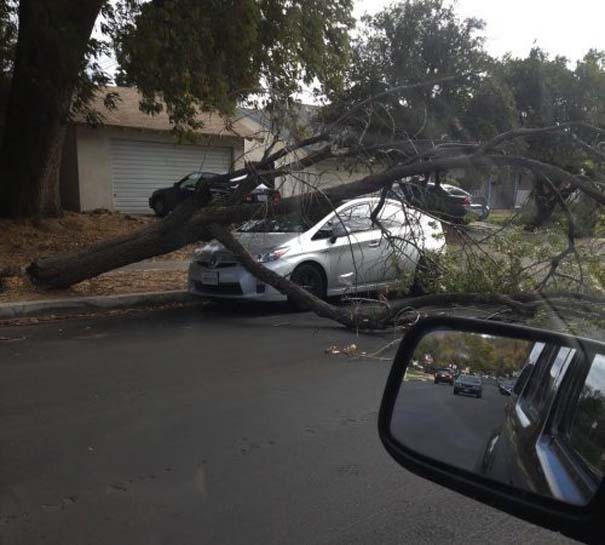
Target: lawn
{"type": "Point", "coordinates": [22, 241]}
{"type": "Point", "coordinates": [500, 217]}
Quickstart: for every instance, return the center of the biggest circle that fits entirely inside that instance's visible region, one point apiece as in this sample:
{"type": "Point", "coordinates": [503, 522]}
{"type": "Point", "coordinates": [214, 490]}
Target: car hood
{"type": "Point", "coordinates": [257, 243]}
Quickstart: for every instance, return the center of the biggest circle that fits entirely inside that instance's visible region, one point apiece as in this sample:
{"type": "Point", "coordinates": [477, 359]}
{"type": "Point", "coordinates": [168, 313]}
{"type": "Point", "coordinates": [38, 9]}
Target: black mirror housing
{"type": "Point", "coordinates": [582, 522]}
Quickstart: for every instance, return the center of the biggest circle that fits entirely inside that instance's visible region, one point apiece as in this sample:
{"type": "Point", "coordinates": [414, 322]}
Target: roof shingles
{"type": "Point", "coordinates": [128, 114]}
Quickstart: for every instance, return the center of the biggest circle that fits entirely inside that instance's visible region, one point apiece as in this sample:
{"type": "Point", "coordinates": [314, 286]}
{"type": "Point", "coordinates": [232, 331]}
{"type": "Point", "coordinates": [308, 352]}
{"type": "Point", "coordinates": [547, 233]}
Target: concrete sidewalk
{"type": "Point", "coordinates": [156, 265]}
{"type": "Point", "coordinates": [23, 309]}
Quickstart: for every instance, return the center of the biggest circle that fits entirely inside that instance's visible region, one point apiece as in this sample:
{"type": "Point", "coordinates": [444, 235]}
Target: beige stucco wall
{"type": "Point", "coordinates": [94, 158]}
{"type": "Point", "coordinates": [326, 174]}
{"type": "Point", "coordinates": [329, 173]}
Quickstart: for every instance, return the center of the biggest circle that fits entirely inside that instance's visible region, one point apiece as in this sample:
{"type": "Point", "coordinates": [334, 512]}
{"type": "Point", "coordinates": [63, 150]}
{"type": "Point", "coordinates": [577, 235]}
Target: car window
{"type": "Point", "coordinates": [359, 219]}
{"type": "Point", "coordinates": [190, 181]}
{"type": "Point", "coordinates": [392, 217]}
{"type": "Point", "coordinates": [469, 379]}
{"type": "Point", "coordinates": [355, 219]}
{"type": "Point", "coordinates": [587, 429]}
{"type": "Point", "coordinates": [296, 222]}
{"type": "Point", "coordinates": [525, 373]}
{"type": "Point", "coordinates": [546, 372]}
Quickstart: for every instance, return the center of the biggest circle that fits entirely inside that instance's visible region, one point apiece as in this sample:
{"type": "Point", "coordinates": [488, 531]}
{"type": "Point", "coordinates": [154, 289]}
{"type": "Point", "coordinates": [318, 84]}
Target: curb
{"type": "Point", "coordinates": [93, 303]}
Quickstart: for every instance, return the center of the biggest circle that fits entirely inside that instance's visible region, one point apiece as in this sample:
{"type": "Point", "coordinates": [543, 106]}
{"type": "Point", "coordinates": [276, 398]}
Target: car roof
{"type": "Point", "coordinates": [201, 173]}
{"type": "Point", "coordinates": [370, 200]}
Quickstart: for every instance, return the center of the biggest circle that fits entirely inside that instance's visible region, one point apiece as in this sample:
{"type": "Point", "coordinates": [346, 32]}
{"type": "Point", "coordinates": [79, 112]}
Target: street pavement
{"type": "Point", "coordinates": [212, 427]}
{"type": "Point", "coordinates": [454, 429]}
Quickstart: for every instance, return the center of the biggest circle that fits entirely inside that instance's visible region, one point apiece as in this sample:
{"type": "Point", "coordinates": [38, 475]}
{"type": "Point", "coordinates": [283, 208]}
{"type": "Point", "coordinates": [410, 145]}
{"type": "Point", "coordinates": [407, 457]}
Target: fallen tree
{"type": "Point", "coordinates": [203, 218]}
{"type": "Point", "coordinates": [191, 221]}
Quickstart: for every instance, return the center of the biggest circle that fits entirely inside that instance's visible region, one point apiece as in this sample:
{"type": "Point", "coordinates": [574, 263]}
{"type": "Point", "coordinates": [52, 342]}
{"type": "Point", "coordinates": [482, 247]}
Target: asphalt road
{"type": "Point", "coordinates": [190, 427]}
{"type": "Point", "coordinates": [454, 429]}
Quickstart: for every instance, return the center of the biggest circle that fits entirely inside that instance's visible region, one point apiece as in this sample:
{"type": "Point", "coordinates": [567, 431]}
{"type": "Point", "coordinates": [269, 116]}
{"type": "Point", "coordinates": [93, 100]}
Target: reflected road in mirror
{"type": "Point", "coordinates": [452, 429]}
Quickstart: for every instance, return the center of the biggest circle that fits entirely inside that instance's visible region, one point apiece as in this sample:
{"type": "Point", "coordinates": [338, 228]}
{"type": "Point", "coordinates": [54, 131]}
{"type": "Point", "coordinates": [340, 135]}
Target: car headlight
{"type": "Point", "coordinates": [273, 255]}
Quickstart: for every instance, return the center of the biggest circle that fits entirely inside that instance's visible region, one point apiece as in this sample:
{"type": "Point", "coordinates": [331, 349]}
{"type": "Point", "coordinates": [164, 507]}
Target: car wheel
{"type": "Point", "coordinates": [159, 207]}
{"type": "Point", "coordinates": [310, 277]}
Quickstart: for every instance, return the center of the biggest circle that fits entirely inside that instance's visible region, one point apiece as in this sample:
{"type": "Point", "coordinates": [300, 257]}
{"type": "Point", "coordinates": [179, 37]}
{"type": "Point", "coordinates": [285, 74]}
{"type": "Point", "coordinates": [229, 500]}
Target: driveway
{"type": "Point", "coordinates": [207, 427]}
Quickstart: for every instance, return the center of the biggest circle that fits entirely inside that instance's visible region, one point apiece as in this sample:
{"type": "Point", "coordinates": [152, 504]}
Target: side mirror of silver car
{"type": "Point", "coordinates": [338, 231]}
{"type": "Point", "coordinates": [537, 452]}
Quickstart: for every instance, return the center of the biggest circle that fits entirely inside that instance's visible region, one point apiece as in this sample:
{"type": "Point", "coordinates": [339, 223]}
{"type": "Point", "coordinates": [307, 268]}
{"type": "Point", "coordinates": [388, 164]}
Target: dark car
{"type": "Point", "coordinates": [444, 375]}
{"type": "Point", "coordinates": [505, 386]}
{"type": "Point", "coordinates": [468, 385]}
{"type": "Point", "coordinates": [165, 200]}
{"type": "Point", "coordinates": [549, 442]}
{"type": "Point", "coordinates": [447, 201]}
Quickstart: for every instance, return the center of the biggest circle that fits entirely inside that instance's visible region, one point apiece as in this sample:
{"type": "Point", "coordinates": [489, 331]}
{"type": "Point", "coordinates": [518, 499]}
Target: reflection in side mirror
{"type": "Point", "coordinates": [523, 411]}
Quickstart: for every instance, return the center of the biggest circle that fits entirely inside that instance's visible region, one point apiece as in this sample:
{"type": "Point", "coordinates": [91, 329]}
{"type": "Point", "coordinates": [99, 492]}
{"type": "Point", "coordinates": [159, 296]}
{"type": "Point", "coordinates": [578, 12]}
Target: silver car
{"type": "Point", "coordinates": [344, 253]}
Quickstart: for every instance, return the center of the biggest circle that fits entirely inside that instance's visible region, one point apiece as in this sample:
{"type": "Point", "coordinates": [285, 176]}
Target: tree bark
{"type": "Point", "coordinates": [50, 50]}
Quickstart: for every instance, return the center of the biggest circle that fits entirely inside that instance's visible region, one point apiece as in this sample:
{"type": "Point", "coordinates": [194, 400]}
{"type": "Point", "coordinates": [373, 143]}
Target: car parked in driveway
{"type": "Point", "coordinates": [444, 200]}
{"type": "Point", "coordinates": [165, 200]}
{"type": "Point", "coordinates": [505, 386]}
{"type": "Point", "coordinates": [468, 385]}
{"type": "Point", "coordinates": [344, 252]}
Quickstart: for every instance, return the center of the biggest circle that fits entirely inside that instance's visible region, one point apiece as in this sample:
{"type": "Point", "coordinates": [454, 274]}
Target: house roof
{"type": "Point", "coordinates": [128, 114]}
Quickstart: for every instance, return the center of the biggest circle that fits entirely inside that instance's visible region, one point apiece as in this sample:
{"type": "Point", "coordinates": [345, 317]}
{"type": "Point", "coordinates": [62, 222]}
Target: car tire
{"type": "Point", "coordinates": [159, 207]}
{"type": "Point", "coordinates": [312, 278]}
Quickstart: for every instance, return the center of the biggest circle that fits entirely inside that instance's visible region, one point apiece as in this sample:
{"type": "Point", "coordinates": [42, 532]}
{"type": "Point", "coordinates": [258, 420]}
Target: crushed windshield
{"type": "Point", "coordinates": [293, 223]}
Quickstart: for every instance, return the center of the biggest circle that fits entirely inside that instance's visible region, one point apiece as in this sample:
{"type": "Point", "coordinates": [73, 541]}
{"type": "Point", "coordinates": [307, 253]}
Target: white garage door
{"type": "Point", "coordinates": [138, 168]}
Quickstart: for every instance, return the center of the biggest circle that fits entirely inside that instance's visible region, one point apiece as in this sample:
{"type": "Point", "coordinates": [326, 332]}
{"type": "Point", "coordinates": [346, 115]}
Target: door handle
{"type": "Point", "coordinates": [374, 243]}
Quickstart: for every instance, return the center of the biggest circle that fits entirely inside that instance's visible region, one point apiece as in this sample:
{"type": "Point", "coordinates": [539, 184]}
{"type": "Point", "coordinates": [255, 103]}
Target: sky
{"type": "Point", "coordinates": [561, 27]}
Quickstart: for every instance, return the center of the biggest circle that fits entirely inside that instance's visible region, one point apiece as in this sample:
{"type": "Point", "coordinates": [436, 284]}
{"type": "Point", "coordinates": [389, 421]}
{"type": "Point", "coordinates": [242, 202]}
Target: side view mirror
{"type": "Point", "coordinates": [338, 231]}
{"type": "Point", "coordinates": [521, 428]}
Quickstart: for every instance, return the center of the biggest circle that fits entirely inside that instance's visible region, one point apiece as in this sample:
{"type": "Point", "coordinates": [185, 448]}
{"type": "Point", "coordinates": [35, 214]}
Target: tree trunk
{"type": "Point", "coordinates": [50, 51]}
{"type": "Point", "coordinates": [172, 233]}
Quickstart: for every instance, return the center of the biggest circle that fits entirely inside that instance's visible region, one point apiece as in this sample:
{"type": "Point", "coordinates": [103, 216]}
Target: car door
{"type": "Point", "coordinates": [355, 254]}
{"type": "Point", "coordinates": [398, 232]}
{"type": "Point", "coordinates": [186, 187]}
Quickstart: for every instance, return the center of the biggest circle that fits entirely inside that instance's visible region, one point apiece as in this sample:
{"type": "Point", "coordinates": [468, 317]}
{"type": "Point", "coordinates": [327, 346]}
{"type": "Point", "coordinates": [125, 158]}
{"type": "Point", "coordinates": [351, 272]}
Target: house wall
{"type": "Point", "coordinates": [93, 162]}
{"type": "Point", "coordinates": [70, 191]}
{"type": "Point", "coordinates": [323, 175]}
{"type": "Point", "coordinates": [327, 174]}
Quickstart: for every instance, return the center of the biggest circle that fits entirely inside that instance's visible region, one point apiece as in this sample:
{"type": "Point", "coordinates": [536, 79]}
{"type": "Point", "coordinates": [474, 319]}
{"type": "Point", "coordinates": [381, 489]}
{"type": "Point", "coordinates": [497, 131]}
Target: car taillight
{"type": "Point", "coordinates": [467, 201]}
{"type": "Point", "coordinates": [248, 197]}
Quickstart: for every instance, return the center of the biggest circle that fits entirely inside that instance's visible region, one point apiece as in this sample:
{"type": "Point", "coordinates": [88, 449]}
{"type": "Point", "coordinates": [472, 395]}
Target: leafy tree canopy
{"type": "Point", "coordinates": [211, 54]}
{"type": "Point", "coordinates": [415, 41]}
